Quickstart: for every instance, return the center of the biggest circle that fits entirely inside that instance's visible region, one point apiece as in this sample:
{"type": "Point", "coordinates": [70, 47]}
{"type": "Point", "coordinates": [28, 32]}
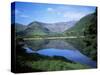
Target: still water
{"type": "Point", "coordinates": [58, 48]}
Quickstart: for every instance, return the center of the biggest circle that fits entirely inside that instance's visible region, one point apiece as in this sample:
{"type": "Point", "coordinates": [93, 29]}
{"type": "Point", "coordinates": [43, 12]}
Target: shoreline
{"type": "Point", "coordinates": [39, 38]}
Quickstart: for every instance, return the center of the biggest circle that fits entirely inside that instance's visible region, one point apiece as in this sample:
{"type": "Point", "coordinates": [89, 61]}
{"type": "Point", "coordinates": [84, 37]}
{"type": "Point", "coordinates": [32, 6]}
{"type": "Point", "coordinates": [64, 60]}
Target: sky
{"type": "Point", "coordinates": [25, 12]}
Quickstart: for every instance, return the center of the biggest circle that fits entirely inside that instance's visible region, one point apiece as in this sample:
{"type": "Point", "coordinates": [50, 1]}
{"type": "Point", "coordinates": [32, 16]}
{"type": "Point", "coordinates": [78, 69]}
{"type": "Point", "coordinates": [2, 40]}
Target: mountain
{"type": "Point", "coordinates": [40, 29]}
{"type": "Point", "coordinates": [35, 28]}
{"type": "Point", "coordinates": [60, 26]}
{"type": "Point", "coordinates": [80, 26]}
{"type": "Point", "coordinates": [19, 27]}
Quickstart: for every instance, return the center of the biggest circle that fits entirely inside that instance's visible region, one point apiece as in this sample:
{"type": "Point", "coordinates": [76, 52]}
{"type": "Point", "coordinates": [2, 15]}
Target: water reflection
{"type": "Point", "coordinates": [37, 44]}
{"type": "Point", "coordinates": [44, 44]}
{"type": "Point", "coordinates": [58, 48]}
{"type": "Point", "coordinates": [73, 55]}
{"type": "Point", "coordinates": [59, 44]}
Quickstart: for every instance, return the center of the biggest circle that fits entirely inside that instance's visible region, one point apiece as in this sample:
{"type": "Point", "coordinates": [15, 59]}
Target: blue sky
{"type": "Point", "coordinates": [26, 13]}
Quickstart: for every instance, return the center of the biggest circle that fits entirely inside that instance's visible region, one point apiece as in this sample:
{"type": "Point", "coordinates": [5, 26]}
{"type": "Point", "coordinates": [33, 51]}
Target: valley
{"type": "Point", "coordinates": [72, 44]}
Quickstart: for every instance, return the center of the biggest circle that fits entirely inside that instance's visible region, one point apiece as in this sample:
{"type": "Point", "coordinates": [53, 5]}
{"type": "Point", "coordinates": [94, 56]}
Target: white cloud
{"type": "Point", "coordinates": [58, 13]}
{"type": "Point", "coordinates": [17, 11]}
{"type": "Point", "coordinates": [50, 9]}
{"type": "Point", "coordinates": [24, 16]}
{"type": "Point", "coordinates": [73, 15]}
{"type": "Point", "coordinates": [54, 11]}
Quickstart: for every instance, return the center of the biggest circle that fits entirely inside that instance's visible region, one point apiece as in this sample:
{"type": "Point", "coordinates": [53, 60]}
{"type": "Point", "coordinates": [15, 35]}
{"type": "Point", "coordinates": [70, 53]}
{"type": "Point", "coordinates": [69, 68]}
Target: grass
{"type": "Point", "coordinates": [55, 65]}
{"type": "Point", "coordinates": [45, 63]}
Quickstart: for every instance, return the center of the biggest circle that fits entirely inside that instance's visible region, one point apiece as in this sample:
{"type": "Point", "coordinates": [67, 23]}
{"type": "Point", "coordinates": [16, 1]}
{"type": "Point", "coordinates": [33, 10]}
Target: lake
{"type": "Point", "coordinates": [58, 47]}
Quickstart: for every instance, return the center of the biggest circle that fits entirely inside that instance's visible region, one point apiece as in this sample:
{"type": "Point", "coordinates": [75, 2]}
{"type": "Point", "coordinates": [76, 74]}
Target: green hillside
{"type": "Point", "coordinates": [19, 27]}
{"type": "Point", "coordinates": [87, 26]}
{"type": "Point", "coordinates": [91, 37]}
{"type": "Point", "coordinates": [35, 29]}
{"type": "Point", "coordinates": [80, 26]}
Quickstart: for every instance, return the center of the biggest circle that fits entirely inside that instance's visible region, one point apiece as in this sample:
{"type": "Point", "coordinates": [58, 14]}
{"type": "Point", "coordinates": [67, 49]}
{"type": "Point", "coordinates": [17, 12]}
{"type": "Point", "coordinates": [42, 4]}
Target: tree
{"type": "Point", "coordinates": [91, 36]}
